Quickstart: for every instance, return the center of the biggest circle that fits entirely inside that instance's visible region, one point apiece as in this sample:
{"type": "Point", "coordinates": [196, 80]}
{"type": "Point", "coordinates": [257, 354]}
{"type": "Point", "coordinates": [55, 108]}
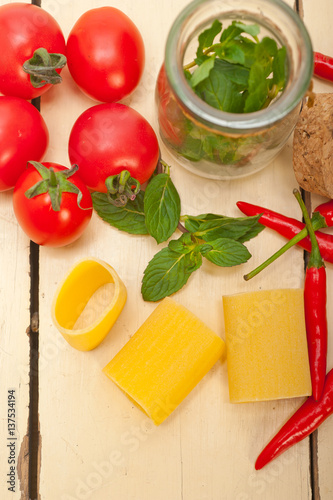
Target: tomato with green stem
{"type": "Point", "coordinates": [32, 50]}
{"type": "Point", "coordinates": [109, 138]}
{"type": "Point", "coordinates": [52, 204]}
{"type": "Point", "coordinates": [23, 136]}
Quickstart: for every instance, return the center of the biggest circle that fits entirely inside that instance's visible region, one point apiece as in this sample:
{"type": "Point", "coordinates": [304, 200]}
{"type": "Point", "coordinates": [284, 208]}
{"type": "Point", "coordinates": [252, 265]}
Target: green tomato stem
{"type": "Point", "coordinates": [53, 178]}
{"type": "Point", "coordinates": [42, 67]}
{"type": "Point", "coordinates": [121, 188]}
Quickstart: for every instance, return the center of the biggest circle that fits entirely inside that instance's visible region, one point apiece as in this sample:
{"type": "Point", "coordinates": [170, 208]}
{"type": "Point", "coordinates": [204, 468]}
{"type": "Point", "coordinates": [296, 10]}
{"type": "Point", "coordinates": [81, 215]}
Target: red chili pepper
{"type": "Point", "coordinates": [289, 227]}
{"type": "Point", "coordinates": [315, 309]}
{"type": "Point", "coordinates": [326, 210]}
{"type": "Point", "coordinates": [306, 420]}
{"type": "Point", "coordinates": [316, 325]}
{"type": "Point", "coordinates": [323, 66]}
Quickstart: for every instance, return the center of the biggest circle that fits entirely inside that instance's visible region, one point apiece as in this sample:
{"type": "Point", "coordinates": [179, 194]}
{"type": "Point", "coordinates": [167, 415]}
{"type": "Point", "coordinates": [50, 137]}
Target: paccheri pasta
{"type": "Point", "coordinates": [165, 359]}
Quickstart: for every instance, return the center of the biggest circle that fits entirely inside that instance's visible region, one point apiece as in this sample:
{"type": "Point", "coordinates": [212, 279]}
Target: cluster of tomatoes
{"type": "Point", "coordinates": [105, 56]}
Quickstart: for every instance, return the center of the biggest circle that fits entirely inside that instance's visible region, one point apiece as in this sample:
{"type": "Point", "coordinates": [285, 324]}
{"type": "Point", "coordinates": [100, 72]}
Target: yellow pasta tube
{"type": "Point", "coordinates": [165, 359]}
{"type": "Point", "coordinates": [84, 281]}
{"type": "Point", "coordinates": [267, 353]}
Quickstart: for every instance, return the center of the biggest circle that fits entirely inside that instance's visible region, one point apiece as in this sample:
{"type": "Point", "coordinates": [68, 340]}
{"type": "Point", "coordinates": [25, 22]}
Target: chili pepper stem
{"type": "Point", "coordinates": [302, 234]}
{"type": "Point", "coordinates": [315, 256]}
{"type": "Point", "coordinates": [318, 222]}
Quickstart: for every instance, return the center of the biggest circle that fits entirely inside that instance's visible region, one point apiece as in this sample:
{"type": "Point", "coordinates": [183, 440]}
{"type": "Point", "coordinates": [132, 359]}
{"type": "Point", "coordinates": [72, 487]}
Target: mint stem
{"type": "Point", "coordinates": [182, 228]}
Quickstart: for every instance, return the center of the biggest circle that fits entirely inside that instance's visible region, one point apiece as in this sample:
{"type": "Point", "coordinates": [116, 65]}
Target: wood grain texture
{"type": "Point", "coordinates": [94, 443]}
{"type": "Point", "coordinates": [14, 351]}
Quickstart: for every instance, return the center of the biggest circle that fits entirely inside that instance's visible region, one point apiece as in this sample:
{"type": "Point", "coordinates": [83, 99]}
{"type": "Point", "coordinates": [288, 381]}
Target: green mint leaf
{"type": "Point", "coordinates": [210, 227]}
{"type": "Point", "coordinates": [192, 148]}
{"type": "Point", "coordinates": [258, 88]}
{"type": "Point", "coordinates": [184, 244]}
{"type": "Point", "coordinates": [220, 91]}
{"type": "Point", "coordinates": [222, 149]}
{"type": "Point", "coordinates": [234, 72]}
{"type": "Point", "coordinates": [248, 48]}
{"type": "Point", "coordinates": [188, 75]}
{"type": "Point", "coordinates": [130, 218]}
{"type": "Point", "coordinates": [250, 29]}
{"type": "Point", "coordinates": [265, 51]}
{"type": "Point", "coordinates": [162, 207]}
{"type": "Point", "coordinates": [206, 38]}
{"type": "Point", "coordinates": [232, 53]}
{"type": "Point", "coordinates": [240, 51]}
{"type": "Point", "coordinates": [279, 68]}
{"type": "Point", "coordinates": [203, 248]}
{"type": "Point", "coordinates": [231, 33]}
{"type": "Point", "coordinates": [227, 252]}
{"type": "Point", "coordinates": [201, 72]}
{"type": "Point", "coordinates": [237, 74]}
{"type": "Point", "coordinates": [168, 272]}
{"type": "Point", "coordinates": [199, 144]}
{"type": "Point", "coordinates": [193, 223]}
{"type": "Point", "coordinates": [252, 232]}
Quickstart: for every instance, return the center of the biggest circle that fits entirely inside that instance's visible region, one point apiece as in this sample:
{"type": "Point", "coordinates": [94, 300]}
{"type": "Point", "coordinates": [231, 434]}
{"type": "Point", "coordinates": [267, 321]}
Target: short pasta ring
{"type": "Point", "coordinates": [72, 296]}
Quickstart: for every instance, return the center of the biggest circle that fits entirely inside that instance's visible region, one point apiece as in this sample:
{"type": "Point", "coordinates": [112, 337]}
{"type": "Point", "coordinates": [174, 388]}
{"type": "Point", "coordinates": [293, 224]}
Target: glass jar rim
{"type": "Point", "coordinates": [237, 122]}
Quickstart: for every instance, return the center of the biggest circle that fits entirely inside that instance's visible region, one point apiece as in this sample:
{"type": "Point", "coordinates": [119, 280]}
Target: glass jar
{"type": "Point", "coordinates": [217, 144]}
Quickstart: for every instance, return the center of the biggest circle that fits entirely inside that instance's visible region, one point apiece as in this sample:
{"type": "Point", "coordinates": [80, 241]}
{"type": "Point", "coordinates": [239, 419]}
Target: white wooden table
{"type": "Point", "coordinates": [78, 436]}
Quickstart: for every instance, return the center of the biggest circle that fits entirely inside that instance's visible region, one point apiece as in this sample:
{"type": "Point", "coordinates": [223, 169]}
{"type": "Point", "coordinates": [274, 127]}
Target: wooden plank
{"type": "Point", "coordinates": [318, 17]}
{"type": "Point", "coordinates": [15, 350]}
{"type": "Point", "coordinates": [14, 354]}
{"type": "Point", "coordinates": [95, 444]}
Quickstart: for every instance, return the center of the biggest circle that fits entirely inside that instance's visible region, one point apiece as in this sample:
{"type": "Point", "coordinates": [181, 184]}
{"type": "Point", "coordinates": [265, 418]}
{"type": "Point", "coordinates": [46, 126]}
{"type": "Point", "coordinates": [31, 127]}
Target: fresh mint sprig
{"type": "Point", "coordinates": [234, 70]}
{"type": "Point", "coordinates": [238, 73]}
{"type": "Point", "coordinates": [217, 238]}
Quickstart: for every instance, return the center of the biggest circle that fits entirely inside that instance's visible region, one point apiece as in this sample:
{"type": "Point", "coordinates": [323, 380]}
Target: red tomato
{"type": "Point", "coordinates": [23, 137]}
{"type": "Point", "coordinates": [111, 137]}
{"type": "Point", "coordinates": [39, 221]}
{"type": "Point", "coordinates": [25, 28]}
{"type": "Point", "coordinates": [105, 54]}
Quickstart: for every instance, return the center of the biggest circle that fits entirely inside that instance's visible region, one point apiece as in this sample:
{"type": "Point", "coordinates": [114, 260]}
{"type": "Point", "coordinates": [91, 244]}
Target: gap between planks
{"type": "Point", "coordinates": [28, 466]}
{"type": "Point", "coordinates": [29, 462]}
